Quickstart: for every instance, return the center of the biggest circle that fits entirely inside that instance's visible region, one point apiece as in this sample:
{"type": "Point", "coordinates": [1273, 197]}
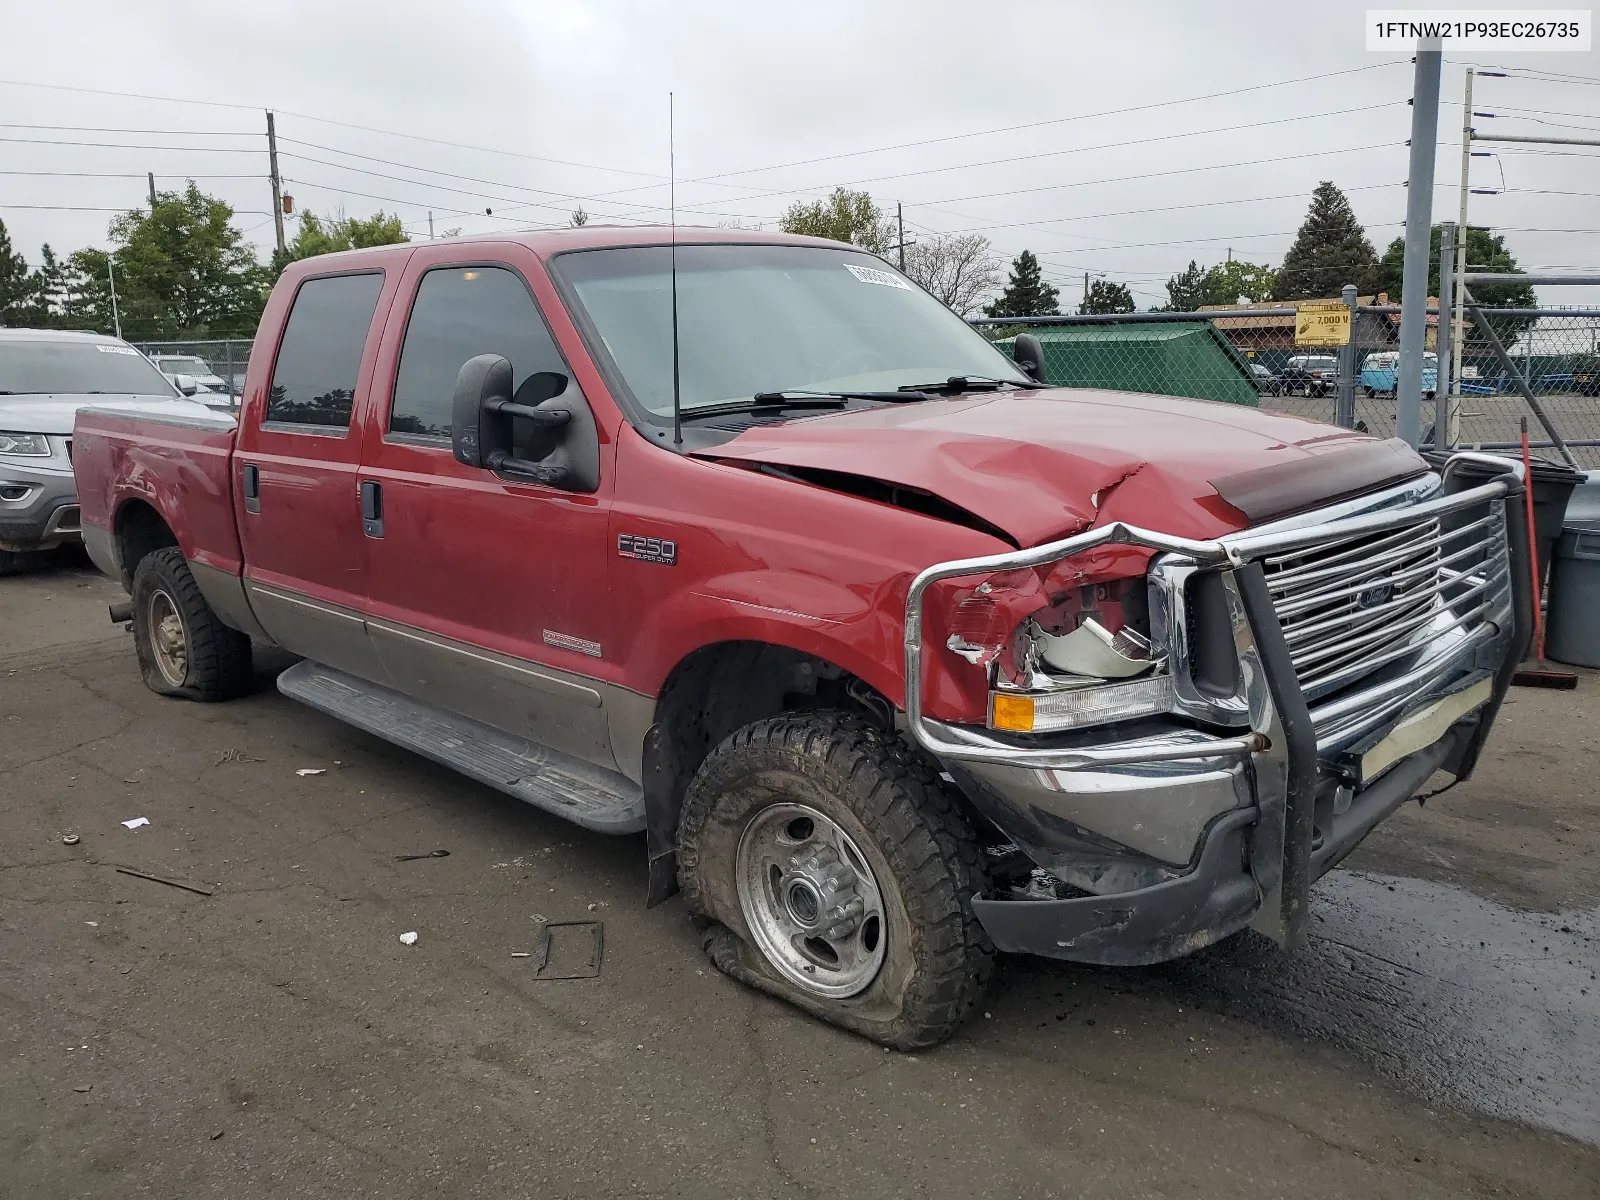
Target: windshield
{"type": "Point", "coordinates": [764, 318]}
{"type": "Point", "coordinates": [184, 366]}
{"type": "Point", "coordinates": [77, 369]}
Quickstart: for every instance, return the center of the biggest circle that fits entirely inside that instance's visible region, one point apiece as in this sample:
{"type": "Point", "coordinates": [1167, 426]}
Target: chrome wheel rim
{"type": "Point", "coordinates": [169, 644]}
{"type": "Point", "coordinates": [811, 901]}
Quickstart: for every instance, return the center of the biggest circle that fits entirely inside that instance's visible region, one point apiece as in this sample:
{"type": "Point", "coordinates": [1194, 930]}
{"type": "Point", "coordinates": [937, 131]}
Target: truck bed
{"type": "Point", "coordinates": [178, 460]}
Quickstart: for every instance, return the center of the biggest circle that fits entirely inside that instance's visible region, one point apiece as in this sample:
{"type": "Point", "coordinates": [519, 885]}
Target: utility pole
{"type": "Point", "coordinates": [111, 278]}
{"type": "Point", "coordinates": [430, 226]}
{"type": "Point", "coordinates": [277, 183]}
{"type": "Point", "coordinates": [900, 221]}
{"type": "Point", "coordinates": [1085, 292]}
{"type": "Point", "coordinates": [1457, 326]}
{"type": "Point", "coordinates": [1419, 236]}
{"type": "Point", "coordinates": [1446, 350]}
{"type": "Point", "coordinates": [152, 177]}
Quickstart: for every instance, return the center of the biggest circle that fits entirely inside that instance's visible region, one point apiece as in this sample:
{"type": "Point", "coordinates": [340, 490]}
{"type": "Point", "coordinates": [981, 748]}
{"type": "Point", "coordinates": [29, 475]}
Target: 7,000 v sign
{"type": "Point", "coordinates": [1322, 324]}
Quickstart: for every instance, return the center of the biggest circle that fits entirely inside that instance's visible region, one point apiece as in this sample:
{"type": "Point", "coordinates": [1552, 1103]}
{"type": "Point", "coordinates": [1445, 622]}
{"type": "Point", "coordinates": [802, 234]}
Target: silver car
{"type": "Point", "coordinates": [46, 376]}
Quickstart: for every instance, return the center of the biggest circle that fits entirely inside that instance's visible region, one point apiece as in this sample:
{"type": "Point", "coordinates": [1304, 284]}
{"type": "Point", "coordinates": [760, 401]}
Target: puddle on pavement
{"type": "Point", "coordinates": [1453, 996]}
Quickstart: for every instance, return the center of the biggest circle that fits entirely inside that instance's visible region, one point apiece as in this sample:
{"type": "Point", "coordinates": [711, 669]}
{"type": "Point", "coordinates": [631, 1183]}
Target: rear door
{"type": "Point", "coordinates": [294, 473]}
{"type": "Point", "coordinates": [486, 595]}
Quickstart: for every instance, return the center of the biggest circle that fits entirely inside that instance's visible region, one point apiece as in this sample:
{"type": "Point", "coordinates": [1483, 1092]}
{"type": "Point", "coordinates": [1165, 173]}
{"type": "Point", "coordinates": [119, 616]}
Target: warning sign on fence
{"type": "Point", "coordinates": [1322, 323]}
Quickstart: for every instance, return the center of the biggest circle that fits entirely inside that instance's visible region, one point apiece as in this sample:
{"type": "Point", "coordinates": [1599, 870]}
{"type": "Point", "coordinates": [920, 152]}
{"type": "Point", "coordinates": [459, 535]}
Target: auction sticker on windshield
{"type": "Point", "coordinates": [882, 278]}
{"type": "Point", "coordinates": [117, 350]}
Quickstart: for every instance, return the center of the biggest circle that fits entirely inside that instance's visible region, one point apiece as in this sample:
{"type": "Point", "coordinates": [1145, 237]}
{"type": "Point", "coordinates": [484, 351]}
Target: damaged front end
{"type": "Point", "coordinates": [1182, 735]}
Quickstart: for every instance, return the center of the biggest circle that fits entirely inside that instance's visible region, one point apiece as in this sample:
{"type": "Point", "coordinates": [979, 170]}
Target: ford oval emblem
{"type": "Point", "coordinates": [1375, 596]}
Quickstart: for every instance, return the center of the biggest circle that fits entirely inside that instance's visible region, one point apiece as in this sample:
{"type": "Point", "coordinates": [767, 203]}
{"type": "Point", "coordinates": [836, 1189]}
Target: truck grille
{"type": "Point", "coordinates": [1352, 605]}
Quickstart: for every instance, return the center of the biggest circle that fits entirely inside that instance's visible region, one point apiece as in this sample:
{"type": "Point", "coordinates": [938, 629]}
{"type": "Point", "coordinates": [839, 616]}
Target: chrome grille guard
{"type": "Point", "coordinates": [967, 743]}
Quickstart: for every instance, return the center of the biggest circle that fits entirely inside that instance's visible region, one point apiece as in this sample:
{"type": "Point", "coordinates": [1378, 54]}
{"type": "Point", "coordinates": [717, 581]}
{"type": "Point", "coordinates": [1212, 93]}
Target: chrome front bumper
{"type": "Point", "coordinates": [1183, 830]}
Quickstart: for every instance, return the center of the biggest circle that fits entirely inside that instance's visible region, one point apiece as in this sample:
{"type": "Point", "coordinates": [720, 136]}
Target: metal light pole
{"type": "Point", "coordinates": [111, 278]}
{"type": "Point", "coordinates": [1419, 234]}
{"type": "Point", "coordinates": [1445, 376]}
{"type": "Point", "coordinates": [1458, 327]}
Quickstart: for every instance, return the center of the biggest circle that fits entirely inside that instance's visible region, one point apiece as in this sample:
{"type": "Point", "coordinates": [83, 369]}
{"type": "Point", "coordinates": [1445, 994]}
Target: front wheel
{"type": "Point", "coordinates": [839, 875]}
{"type": "Point", "coordinates": [184, 648]}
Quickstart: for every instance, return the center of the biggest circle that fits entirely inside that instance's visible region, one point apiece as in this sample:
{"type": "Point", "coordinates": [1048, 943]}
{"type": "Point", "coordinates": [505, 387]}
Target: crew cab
{"type": "Point", "coordinates": [894, 655]}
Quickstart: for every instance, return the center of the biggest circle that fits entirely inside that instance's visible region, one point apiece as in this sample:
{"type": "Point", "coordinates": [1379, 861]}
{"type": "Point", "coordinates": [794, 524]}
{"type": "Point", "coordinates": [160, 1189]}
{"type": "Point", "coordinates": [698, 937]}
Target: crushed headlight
{"type": "Point", "coordinates": [24, 445]}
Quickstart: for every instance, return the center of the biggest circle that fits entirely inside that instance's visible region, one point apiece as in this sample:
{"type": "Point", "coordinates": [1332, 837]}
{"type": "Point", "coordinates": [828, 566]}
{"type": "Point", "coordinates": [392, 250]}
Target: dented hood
{"type": "Point", "coordinates": [1048, 464]}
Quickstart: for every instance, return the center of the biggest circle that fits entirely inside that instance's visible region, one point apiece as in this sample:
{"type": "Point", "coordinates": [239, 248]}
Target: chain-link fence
{"type": "Point", "coordinates": [218, 367]}
{"type": "Point", "coordinates": [1248, 355]}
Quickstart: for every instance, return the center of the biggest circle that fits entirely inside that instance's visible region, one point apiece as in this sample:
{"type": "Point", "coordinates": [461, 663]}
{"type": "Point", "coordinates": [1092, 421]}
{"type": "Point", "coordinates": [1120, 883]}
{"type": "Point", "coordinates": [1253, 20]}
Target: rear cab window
{"type": "Point", "coordinates": [319, 359]}
{"type": "Point", "coordinates": [459, 313]}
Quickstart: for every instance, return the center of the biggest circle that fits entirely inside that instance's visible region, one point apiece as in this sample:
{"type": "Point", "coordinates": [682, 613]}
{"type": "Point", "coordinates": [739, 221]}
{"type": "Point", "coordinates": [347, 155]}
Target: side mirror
{"type": "Point", "coordinates": [187, 384]}
{"type": "Point", "coordinates": [485, 418]}
{"type": "Point", "coordinates": [1028, 353]}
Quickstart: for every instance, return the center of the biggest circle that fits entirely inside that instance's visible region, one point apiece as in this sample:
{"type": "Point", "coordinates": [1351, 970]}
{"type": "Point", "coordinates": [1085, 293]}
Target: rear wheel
{"type": "Point", "coordinates": [838, 874]}
{"type": "Point", "coordinates": [184, 648]}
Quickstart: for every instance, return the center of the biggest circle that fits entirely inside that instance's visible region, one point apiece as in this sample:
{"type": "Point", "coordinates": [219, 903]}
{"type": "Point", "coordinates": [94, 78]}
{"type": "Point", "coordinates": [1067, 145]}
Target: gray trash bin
{"type": "Point", "coordinates": [1572, 631]}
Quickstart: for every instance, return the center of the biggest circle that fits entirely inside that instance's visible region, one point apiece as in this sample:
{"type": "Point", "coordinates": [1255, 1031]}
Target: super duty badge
{"type": "Point", "coordinates": [648, 549]}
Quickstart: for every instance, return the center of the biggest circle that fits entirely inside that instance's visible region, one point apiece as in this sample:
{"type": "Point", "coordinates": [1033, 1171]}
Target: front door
{"type": "Point", "coordinates": [486, 595]}
{"type": "Point", "coordinates": [294, 475]}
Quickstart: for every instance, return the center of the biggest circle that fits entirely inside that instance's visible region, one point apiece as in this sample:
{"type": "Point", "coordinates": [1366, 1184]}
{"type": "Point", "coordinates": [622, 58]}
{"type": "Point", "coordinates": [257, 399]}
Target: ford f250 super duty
{"type": "Point", "coordinates": [895, 656]}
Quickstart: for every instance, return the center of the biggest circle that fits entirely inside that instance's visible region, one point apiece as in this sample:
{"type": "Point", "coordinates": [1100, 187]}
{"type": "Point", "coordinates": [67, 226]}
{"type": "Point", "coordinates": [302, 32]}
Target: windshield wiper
{"type": "Point", "coordinates": [971, 383]}
{"type": "Point", "coordinates": [775, 401]}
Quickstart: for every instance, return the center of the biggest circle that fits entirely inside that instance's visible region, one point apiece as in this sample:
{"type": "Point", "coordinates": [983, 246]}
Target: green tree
{"type": "Point", "coordinates": [1225, 283]}
{"type": "Point", "coordinates": [1485, 252]}
{"type": "Point", "coordinates": [1235, 280]}
{"type": "Point", "coordinates": [1107, 297]}
{"type": "Point", "coordinates": [1186, 291]}
{"type": "Point", "coordinates": [53, 276]}
{"type": "Point", "coordinates": [579, 218]}
{"type": "Point", "coordinates": [19, 287]}
{"type": "Point", "coordinates": [845, 216]}
{"type": "Point", "coordinates": [1330, 251]}
{"type": "Point", "coordinates": [328, 235]}
{"type": "Point", "coordinates": [1026, 293]}
{"type": "Point", "coordinates": [182, 270]}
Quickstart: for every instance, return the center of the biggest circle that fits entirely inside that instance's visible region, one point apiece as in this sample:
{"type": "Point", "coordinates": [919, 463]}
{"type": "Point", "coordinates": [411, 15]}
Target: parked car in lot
{"type": "Point", "coordinates": [181, 367]}
{"type": "Point", "coordinates": [45, 377]}
{"type": "Point", "coordinates": [1309, 375]}
{"type": "Point", "coordinates": [1380, 373]}
{"type": "Point", "coordinates": [896, 655]}
{"type": "Point", "coordinates": [1267, 384]}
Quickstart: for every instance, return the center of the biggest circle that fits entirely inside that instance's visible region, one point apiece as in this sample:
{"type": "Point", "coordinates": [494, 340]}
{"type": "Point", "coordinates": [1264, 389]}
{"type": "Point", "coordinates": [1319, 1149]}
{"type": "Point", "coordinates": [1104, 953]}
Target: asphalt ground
{"type": "Point", "coordinates": [1440, 1037]}
{"type": "Point", "coordinates": [1483, 419]}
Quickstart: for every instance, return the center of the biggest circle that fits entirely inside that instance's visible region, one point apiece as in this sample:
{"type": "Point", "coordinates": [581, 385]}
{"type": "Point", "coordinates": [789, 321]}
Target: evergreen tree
{"type": "Point", "coordinates": [1330, 251]}
{"type": "Point", "coordinates": [1186, 291]}
{"type": "Point", "coordinates": [1107, 297]}
{"type": "Point", "coordinates": [1026, 293]}
{"type": "Point", "coordinates": [19, 289]}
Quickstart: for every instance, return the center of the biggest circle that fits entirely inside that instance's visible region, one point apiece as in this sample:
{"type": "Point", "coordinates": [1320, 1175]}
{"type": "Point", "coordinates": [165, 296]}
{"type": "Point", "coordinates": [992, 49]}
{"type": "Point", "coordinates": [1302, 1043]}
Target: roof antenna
{"type": "Point", "coordinates": [672, 201]}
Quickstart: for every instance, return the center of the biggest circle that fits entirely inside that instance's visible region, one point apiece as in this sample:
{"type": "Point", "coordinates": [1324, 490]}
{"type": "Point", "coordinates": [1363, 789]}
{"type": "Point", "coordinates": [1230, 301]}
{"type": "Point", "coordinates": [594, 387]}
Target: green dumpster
{"type": "Point", "coordinates": [1180, 358]}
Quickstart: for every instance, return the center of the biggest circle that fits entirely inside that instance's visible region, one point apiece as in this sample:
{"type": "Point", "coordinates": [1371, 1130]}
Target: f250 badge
{"type": "Point", "coordinates": [648, 549]}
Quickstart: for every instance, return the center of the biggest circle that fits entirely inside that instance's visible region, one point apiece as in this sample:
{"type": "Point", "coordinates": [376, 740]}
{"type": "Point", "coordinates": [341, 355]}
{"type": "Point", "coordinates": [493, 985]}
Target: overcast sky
{"type": "Point", "coordinates": [536, 107]}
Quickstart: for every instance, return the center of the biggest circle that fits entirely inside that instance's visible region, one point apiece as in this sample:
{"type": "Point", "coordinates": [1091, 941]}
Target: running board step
{"type": "Point", "coordinates": [583, 793]}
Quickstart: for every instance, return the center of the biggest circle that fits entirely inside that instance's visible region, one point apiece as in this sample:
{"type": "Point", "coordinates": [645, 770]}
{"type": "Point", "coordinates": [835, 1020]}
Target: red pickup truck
{"type": "Point", "coordinates": [896, 656]}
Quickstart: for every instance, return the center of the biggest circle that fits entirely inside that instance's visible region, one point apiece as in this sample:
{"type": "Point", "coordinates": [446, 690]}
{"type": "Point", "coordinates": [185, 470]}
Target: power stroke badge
{"type": "Point", "coordinates": [648, 549]}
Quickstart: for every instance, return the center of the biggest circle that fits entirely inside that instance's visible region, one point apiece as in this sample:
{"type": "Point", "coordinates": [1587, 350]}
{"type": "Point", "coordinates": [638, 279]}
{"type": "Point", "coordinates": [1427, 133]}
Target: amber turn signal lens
{"type": "Point", "coordinates": [1014, 713]}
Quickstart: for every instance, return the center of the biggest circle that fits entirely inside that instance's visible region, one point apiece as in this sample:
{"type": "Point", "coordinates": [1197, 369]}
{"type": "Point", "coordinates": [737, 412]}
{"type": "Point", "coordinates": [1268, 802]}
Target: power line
{"type": "Point", "coordinates": [249, 212]}
{"type": "Point", "coordinates": [115, 129]}
{"type": "Point", "coordinates": [123, 175]}
{"type": "Point", "coordinates": [1161, 174]}
{"type": "Point", "coordinates": [569, 196]}
{"type": "Point", "coordinates": [61, 87]}
{"type": "Point", "coordinates": [132, 146]}
{"type": "Point", "coordinates": [1164, 137]}
{"type": "Point", "coordinates": [1111, 112]}
{"type": "Point", "coordinates": [462, 212]}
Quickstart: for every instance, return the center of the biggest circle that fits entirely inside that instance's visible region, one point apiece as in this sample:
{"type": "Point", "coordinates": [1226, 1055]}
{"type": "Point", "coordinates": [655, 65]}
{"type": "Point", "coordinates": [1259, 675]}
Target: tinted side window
{"type": "Point", "coordinates": [314, 379]}
{"type": "Point", "coordinates": [460, 313]}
